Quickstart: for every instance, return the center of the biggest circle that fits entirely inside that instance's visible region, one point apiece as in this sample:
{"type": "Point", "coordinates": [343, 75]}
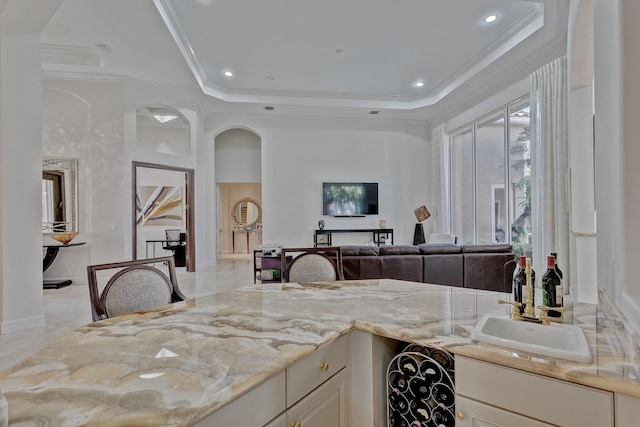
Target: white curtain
{"type": "Point", "coordinates": [549, 166]}
{"type": "Point", "coordinates": [439, 180]}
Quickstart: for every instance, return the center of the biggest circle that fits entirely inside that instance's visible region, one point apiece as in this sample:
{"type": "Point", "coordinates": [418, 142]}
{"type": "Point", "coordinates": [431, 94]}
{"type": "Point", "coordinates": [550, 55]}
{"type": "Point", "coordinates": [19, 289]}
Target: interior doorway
{"type": "Point", "coordinates": [240, 219]}
{"type": "Point", "coordinates": [163, 213]}
{"type": "Point", "coordinates": [238, 177]}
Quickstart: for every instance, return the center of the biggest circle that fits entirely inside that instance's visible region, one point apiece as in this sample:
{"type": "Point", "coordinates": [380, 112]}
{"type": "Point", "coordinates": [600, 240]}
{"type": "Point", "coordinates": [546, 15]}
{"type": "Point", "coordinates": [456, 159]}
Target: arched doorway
{"type": "Point", "coordinates": [238, 176]}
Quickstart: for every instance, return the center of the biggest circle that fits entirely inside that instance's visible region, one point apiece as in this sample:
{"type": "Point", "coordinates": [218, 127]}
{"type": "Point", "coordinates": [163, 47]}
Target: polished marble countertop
{"type": "Point", "coordinates": [178, 364]}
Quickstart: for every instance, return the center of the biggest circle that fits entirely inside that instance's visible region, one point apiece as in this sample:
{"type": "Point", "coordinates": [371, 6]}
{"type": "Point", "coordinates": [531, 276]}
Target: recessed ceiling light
{"type": "Point", "coordinates": [490, 18]}
{"type": "Point", "coordinates": [374, 112]}
{"type": "Point", "coordinates": [271, 77]}
{"type": "Point", "coordinates": [228, 74]}
{"type": "Point", "coordinates": [418, 84]}
{"type": "Point", "coordinates": [164, 118]}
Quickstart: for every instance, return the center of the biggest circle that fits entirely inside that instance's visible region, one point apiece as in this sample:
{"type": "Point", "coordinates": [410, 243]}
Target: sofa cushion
{"type": "Point", "coordinates": [490, 248]}
{"type": "Point", "coordinates": [488, 271]}
{"type": "Point", "coordinates": [443, 269]}
{"type": "Point", "coordinates": [360, 251]}
{"type": "Point", "coordinates": [399, 250]}
{"type": "Point", "coordinates": [439, 248]}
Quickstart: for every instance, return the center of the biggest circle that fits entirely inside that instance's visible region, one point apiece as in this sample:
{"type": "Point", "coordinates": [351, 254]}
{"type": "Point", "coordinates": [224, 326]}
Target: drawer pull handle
{"type": "Point", "coordinates": [460, 415]}
{"type": "Point", "coordinates": [296, 424]}
{"type": "Point", "coordinates": [324, 367]}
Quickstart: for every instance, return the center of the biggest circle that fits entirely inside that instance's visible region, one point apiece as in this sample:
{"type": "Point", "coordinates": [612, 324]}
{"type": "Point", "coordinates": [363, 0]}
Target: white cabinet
{"type": "Point", "coordinates": [324, 407]}
{"type": "Point", "coordinates": [471, 413]}
{"type": "Point", "coordinates": [504, 392]}
{"type": "Point", "coordinates": [627, 410]}
{"type": "Point", "coordinates": [313, 370]}
{"type": "Point", "coordinates": [311, 392]}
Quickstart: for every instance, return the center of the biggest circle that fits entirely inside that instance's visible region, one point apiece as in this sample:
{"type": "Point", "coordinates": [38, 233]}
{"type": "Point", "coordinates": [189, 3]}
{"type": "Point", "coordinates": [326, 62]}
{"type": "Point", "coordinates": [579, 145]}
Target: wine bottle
{"type": "Point", "coordinates": [555, 256]}
{"type": "Point", "coordinates": [552, 287]}
{"type": "Point", "coordinates": [520, 282]}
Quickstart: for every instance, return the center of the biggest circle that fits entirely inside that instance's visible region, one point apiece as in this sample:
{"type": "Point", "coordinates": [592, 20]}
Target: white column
{"type": "Point", "coordinates": [20, 182]}
{"type": "Point", "coordinates": [21, 162]}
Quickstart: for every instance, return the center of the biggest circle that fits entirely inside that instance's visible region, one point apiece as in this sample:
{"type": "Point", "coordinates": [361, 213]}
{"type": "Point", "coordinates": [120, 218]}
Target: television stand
{"type": "Point", "coordinates": [380, 235]}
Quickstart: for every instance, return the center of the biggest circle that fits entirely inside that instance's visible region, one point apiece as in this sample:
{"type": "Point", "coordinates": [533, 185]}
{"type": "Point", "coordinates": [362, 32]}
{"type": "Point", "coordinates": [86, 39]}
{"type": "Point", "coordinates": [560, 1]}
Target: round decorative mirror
{"type": "Point", "coordinates": [247, 213]}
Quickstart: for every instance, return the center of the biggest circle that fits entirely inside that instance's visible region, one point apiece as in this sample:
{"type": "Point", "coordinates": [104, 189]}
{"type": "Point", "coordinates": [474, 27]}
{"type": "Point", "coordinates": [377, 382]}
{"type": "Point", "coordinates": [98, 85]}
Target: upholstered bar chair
{"type": "Point", "coordinates": [303, 265]}
{"type": "Point", "coordinates": [132, 286]}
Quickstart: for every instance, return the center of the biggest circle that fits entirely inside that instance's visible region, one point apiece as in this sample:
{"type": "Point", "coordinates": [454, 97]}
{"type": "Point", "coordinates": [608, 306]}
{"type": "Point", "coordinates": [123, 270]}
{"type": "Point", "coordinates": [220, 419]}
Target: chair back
{"type": "Point", "coordinates": [173, 236]}
{"type": "Point", "coordinates": [132, 286]}
{"type": "Point", "coordinates": [173, 239]}
{"type": "Point", "coordinates": [311, 264]}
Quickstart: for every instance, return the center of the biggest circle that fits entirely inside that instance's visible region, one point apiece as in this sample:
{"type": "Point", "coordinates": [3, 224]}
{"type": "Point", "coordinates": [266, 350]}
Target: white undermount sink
{"type": "Point", "coordinates": [554, 340]}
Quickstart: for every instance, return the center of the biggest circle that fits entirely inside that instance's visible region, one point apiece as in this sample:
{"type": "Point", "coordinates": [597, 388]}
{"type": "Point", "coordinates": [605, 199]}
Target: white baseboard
{"type": "Point", "coordinates": [21, 324]}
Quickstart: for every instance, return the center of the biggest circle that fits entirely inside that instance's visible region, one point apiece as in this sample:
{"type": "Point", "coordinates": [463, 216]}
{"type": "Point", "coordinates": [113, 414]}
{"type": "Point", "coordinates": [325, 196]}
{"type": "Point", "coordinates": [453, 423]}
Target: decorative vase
{"type": "Point", "coordinates": [382, 223]}
{"type": "Point", "coordinates": [321, 224]}
{"type": "Point", "coordinates": [64, 238]}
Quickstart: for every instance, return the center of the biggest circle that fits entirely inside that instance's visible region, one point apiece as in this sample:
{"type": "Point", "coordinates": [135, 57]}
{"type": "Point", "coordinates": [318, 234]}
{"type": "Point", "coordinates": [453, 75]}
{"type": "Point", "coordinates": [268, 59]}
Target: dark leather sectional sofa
{"type": "Point", "coordinates": [488, 267]}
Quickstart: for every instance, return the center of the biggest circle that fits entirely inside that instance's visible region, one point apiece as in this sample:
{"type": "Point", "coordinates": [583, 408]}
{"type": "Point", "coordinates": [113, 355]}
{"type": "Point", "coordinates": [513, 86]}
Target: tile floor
{"type": "Point", "coordinates": [67, 308]}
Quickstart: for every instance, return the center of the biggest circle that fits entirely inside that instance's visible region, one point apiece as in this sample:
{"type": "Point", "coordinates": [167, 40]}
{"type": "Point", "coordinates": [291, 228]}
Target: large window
{"type": "Point", "coordinates": [484, 209]}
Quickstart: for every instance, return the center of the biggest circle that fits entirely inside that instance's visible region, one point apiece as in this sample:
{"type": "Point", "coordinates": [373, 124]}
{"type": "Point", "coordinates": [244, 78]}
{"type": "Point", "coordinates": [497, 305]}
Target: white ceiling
{"type": "Point", "coordinates": [338, 57]}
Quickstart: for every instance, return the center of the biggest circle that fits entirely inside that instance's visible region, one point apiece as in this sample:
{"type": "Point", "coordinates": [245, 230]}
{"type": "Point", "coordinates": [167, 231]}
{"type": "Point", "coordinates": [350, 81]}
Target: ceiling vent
{"type": "Point", "coordinates": [269, 107]}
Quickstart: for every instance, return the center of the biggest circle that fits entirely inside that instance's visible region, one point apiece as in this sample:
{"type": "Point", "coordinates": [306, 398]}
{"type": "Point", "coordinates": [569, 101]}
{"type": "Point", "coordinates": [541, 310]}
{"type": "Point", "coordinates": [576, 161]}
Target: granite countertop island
{"type": "Point", "coordinates": [179, 363]}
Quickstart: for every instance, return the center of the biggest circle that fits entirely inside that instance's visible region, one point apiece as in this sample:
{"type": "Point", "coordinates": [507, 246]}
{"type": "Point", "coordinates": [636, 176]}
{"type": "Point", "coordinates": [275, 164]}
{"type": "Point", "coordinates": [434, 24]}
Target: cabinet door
{"type": "Point", "coordinates": [471, 413]}
{"type": "Point", "coordinates": [324, 407]}
{"type": "Point", "coordinates": [281, 421]}
{"type": "Point", "coordinates": [627, 410]}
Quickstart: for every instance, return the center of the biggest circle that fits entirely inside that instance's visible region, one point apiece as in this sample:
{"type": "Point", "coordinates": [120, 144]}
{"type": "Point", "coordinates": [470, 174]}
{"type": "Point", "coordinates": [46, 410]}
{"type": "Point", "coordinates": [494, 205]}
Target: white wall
{"type": "Point", "coordinates": [299, 154]}
{"type": "Point", "coordinates": [84, 119]}
{"type": "Point", "coordinates": [168, 139]}
{"type": "Point", "coordinates": [238, 156]}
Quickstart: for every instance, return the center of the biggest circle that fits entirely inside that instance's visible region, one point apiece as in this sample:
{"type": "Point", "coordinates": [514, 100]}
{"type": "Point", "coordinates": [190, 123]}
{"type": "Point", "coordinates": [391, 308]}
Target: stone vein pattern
{"type": "Point", "coordinates": [177, 364]}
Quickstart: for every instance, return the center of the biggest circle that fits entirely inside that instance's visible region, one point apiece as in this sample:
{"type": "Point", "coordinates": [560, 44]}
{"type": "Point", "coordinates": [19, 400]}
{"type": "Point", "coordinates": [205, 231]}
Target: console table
{"type": "Point", "coordinates": [50, 255]}
{"type": "Point", "coordinates": [380, 235]}
{"type": "Point", "coordinates": [233, 237]}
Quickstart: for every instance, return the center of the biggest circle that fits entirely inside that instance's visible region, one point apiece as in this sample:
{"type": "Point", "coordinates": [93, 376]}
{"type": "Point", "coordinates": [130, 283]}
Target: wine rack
{"type": "Point", "coordinates": [420, 388]}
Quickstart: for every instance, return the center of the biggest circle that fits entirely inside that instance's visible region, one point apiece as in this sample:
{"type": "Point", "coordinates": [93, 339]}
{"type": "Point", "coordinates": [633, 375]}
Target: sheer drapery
{"type": "Point", "coordinates": [439, 206]}
{"type": "Point", "coordinates": [549, 165]}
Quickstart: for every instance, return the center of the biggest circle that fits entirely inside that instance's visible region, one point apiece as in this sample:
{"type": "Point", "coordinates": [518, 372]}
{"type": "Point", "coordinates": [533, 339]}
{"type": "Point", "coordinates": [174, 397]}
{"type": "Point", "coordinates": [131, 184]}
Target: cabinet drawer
{"type": "Point", "coordinates": [470, 413]}
{"type": "Point", "coordinates": [313, 370]}
{"type": "Point", "coordinates": [255, 408]}
{"type": "Point", "coordinates": [546, 399]}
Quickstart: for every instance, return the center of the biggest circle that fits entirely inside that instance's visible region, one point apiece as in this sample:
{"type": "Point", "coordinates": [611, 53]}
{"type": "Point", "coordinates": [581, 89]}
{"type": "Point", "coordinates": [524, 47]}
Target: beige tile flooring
{"type": "Point", "coordinates": [68, 308]}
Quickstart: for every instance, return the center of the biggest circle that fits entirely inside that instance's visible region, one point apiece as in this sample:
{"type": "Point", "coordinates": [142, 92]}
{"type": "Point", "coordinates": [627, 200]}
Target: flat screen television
{"type": "Point", "coordinates": [348, 199]}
